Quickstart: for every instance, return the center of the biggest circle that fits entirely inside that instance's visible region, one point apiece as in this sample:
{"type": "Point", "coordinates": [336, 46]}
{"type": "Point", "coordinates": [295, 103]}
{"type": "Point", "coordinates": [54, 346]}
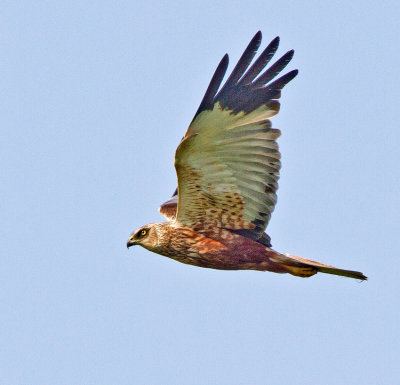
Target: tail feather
{"type": "Point", "coordinates": [343, 273]}
{"type": "Point", "coordinates": [295, 261]}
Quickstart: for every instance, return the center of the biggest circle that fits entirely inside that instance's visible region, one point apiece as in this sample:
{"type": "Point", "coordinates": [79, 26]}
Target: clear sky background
{"type": "Point", "coordinates": [95, 96]}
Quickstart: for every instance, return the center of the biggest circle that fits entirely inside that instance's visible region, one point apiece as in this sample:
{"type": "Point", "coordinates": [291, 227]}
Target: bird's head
{"type": "Point", "coordinates": [146, 236]}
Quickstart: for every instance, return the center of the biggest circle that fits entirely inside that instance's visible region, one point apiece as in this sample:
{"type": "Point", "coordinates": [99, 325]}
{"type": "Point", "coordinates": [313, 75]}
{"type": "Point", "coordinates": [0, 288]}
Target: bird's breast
{"type": "Point", "coordinates": [220, 249]}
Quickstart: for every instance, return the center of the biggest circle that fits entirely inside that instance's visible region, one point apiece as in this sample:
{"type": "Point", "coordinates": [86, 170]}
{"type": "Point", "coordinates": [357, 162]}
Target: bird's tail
{"type": "Point", "coordinates": [305, 267]}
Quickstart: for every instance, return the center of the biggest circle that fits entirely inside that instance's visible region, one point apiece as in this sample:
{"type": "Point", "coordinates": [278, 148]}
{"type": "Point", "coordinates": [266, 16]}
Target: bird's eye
{"type": "Point", "coordinates": [143, 233]}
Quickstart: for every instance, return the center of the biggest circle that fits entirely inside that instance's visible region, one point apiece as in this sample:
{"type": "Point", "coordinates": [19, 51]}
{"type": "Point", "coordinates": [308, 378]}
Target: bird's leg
{"type": "Point", "coordinates": [303, 272]}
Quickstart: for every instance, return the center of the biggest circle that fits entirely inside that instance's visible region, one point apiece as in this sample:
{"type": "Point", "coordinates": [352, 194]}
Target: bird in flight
{"type": "Point", "coordinates": [227, 166]}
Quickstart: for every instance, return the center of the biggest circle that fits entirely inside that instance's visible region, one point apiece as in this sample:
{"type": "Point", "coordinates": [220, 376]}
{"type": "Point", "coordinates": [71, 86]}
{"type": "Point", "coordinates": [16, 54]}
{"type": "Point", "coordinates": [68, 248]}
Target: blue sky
{"type": "Point", "coordinates": [95, 96]}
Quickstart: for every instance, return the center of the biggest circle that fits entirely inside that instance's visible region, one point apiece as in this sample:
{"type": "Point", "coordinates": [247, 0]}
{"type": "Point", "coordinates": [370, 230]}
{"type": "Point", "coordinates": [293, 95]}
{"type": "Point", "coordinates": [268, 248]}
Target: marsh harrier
{"type": "Point", "coordinates": [228, 167]}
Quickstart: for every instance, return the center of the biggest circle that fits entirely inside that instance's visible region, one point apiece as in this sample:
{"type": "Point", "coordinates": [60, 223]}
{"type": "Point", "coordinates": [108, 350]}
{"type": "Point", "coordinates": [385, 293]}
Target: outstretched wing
{"type": "Point", "coordinates": [228, 161]}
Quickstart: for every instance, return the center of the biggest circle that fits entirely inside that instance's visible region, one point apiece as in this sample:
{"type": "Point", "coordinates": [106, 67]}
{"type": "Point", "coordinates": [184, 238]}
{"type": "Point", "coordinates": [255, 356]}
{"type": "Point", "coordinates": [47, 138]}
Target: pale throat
{"type": "Point", "coordinates": [163, 234]}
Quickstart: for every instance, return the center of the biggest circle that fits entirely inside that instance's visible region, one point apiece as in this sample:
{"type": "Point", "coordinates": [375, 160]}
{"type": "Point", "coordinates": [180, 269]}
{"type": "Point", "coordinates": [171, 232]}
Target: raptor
{"type": "Point", "coordinates": [227, 166]}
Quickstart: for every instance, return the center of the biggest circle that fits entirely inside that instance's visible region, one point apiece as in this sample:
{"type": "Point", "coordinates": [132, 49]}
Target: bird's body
{"type": "Point", "coordinates": [228, 166]}
{"type": "Point", "coordinates": [225, 250]}
{"type": "Point", "coordinates": [219, 249]}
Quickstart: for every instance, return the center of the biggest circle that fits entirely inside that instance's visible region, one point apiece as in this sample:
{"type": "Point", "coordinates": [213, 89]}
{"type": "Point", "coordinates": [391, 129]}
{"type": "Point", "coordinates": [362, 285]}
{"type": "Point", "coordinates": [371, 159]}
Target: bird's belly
{"type": "Point", "coordinates": [229, 253]}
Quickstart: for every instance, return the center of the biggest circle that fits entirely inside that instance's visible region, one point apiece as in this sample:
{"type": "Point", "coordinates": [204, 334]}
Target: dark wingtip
{"type": "Point", "coordinates": [247, 88]}
{"type": "Point", "coordinates": [292, 74]}
{"type": "Point", "coordinates": [256, 40]}
{"type": "Point", "coordinates": [274, 45]}
{"type": "Point", "coordinates": [215, 83]}
{"type": "Point", "coordinates": [288, 56]}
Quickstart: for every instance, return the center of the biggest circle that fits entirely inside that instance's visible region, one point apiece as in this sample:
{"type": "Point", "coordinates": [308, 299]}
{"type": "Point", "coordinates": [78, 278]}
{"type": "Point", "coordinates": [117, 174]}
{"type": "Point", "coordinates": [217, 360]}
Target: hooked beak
{"type": "Point", "coordinates": [130, 243]}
